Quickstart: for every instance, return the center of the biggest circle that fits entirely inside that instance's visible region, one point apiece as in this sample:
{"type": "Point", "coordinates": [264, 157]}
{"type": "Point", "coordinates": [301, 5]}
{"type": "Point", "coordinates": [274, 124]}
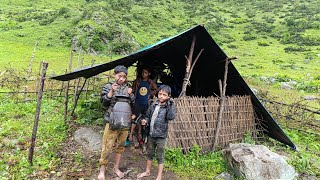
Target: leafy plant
{"type": "Point", "coordinates": [193, 164]}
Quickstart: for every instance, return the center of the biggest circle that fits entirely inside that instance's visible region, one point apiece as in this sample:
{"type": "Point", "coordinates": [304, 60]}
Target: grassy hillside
{"type": "Point", "coordinates": [276, 41]}
{"type": "Point", "coordinates": [273, 39]}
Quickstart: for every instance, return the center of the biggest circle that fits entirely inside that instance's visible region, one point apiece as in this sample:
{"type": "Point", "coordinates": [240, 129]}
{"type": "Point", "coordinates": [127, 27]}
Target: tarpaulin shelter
{"type": "Point", "coordinates": [206, 73]}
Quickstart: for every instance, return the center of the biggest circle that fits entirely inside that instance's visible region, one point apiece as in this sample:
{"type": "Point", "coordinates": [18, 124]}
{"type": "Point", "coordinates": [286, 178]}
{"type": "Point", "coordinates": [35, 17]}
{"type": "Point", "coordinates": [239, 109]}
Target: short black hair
{"type": "Point", "coordinates": [120, 68]}
{"type": "Point", "coordinates": [146, 68]}
{"type": "Point", "coordinates": [165, 88]}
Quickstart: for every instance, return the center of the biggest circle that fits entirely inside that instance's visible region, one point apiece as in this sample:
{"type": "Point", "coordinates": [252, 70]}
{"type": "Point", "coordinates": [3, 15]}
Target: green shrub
{"type": "Point", "coordinates": [263, 43]}
{"type": "Point", "coordinates": [194, 164]}
{"type": "Point", "coordinates": [249, 37]}
{"type": "Point", "coordinates": [232, 46]}
{"type": "Point", "coordinates": [294, 49]}
{"type": "Point", "coordinates": [263, 27]}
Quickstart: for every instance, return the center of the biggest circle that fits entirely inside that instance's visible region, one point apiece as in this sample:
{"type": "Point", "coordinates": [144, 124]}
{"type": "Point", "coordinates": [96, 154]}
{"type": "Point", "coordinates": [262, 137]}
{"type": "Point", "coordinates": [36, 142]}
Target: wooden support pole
{"type": "Point", "coordinates": [62, 85]}
{"type": "Point", "coordinates": [188, 67]}
{"type": "Point", "coordinates": [92, 63]}
{"type": "Point", "coordinates": [194, 63]}
{"type": "Point", "coordinates": [77, 98]}
{"type": "Point", "coordinates": [77, 81]}
{"type": "Point", "coordinates": [39, 74]}
{"type": "Point", "coordinates": [222, 88]}
{"type": "Point", "coordinates": [66, 101]}
{"type": "Point", "coordinates": [36, 120]}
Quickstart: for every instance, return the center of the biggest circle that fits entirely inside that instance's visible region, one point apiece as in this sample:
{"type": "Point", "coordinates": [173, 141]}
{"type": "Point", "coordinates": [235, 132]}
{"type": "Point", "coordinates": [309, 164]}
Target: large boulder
{"type": "Point", "coordinates": [257, 162]}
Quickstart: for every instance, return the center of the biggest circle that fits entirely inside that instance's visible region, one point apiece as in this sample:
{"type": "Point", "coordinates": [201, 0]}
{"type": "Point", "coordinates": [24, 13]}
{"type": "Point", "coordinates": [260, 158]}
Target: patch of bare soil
{"type": "Point", "coordinates": [77, 162]}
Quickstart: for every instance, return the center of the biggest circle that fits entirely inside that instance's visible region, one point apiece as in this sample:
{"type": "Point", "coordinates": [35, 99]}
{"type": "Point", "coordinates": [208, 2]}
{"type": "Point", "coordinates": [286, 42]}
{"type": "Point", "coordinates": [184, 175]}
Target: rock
{"type": "Point", "coordinates": [264, 78]}
{"type": "Point", "coordinates": [88, 138]}
{"type": "Point", "coordinates": [257, 162]}
{"type": "Point", "coordinates": [292, 83]}
{"type": "Point", "coordinates": [310, 98]}
{"type": "Point", "coordinates": [307, 61]}
{"type": "Point", "coordinates": [273, 80]}
{"type": "Point", "coordinates": [305, 176]}
{"type": "Point", "coordinates": [223, 176]}
{"type": "Point", "coordinates": [285, 85]}
{"type": "Point", "coordinates": [9, 142]}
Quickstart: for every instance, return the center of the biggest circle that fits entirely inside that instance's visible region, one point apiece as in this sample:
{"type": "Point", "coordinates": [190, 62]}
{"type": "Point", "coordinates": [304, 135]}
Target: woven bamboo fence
{"type": "Point", "coordinates": [197, 118]}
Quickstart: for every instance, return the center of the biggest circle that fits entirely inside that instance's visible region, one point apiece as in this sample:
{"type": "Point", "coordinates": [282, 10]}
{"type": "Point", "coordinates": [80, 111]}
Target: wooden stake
{"type": "Point", "coordinates": [66, 101]}
{"type": "Point", "coordinates": [77, 98]}
{"type": "Point", "coordinates": [77, 81]}
{"type": "Point", "coordinates": [31, 60]}
{"type": "Point", "coordinates": [39, 74]}
{"type": "Point", "coordinates": [36, 120]}
{"type": "Point", "coordinates": [189, 68]}
{"type": "Point", "coordinates": [62, 85]}
{"type": "Point", "coordinates": [86, 91]}
{"type": "Point", "coordinates": [68, 84]}
{"type": "Point", "coordinates": [222, 88]}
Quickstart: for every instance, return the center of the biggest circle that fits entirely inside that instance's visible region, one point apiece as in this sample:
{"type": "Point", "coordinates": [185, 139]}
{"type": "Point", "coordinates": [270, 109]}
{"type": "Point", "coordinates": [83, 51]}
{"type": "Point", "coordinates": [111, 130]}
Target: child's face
{"type": "Point", "coordinates": [120, 78]}
{"type": "Point", "coordinates": [163, 96]}
{"type": "Point", "coordinates": [145, 74]}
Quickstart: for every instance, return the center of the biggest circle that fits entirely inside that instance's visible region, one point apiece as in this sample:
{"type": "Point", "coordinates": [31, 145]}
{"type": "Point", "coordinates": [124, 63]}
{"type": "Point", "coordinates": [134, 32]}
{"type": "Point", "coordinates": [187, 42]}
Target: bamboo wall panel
{"type": "Point", "coordinates": [197, 117]}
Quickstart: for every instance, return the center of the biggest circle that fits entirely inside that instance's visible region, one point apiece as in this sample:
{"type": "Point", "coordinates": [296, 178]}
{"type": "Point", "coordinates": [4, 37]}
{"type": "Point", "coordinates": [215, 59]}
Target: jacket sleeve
{"type": "Point", "coordinates": [149, 113]}
{"type": "Point", "coordinates": [132, 101]}
{"type": "Point", "coordinates": [134, 86]}
{"type": "Point", "coordinates": [105, 100]}
{"type": "Point", "coordinates": [153, 89]}
{"type": "Point", "coordinates": [171, 110]}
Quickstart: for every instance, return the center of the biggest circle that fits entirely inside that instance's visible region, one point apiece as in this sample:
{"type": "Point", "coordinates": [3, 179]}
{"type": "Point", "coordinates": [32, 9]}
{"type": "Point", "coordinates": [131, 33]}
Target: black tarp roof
{"type": "Point", "coordinates": [204, 80]}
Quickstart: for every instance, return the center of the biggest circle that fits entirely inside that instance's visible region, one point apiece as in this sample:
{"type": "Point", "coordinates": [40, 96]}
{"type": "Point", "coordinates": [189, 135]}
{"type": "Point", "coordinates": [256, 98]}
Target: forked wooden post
{"type": "Point", "coordinates": [36, 120]}
{"type": "Point", "coordinates": [189, 67]}
{"type": "Point", "coordinates": [222, 88]}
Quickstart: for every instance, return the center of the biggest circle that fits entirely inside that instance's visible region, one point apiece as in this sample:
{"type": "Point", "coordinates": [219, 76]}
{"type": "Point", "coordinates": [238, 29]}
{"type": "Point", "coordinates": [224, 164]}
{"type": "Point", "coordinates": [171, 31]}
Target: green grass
{"type": "Point", "coordinates": [194, 165]}
{"type": "Point", "coordinates": [16, 124]}
{"type": "Point", "coordinates": [306, 159]}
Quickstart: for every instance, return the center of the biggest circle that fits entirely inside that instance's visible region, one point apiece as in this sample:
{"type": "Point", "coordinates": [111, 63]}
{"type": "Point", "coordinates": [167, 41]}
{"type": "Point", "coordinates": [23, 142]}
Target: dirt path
{"type": "Point", "coordinates": [77, 162]}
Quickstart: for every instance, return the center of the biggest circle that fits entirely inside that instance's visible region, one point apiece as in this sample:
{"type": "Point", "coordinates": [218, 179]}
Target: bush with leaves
{"type": "Point", "coordinates": [194, 164]}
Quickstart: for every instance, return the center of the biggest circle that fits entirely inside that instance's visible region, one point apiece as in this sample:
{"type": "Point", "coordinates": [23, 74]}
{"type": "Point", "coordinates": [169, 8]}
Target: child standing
{"type": "Point", "coordinates": [144, 89]}
{"type": "Point", "coordinates": [110, 136]}
{"type": "Point", "coordinates": [157, 117]}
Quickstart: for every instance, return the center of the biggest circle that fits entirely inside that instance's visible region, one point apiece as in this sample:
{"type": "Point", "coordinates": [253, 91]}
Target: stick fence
{"type": "Point", "coordinates": [197, 118]}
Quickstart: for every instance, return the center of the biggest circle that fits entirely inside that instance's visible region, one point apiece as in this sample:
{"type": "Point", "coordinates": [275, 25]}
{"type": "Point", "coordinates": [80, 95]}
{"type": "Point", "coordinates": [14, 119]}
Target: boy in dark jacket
{"type": "Point", "coordinates": [110, 136]}
{"type": "Point", "coordinates": [158, 114]}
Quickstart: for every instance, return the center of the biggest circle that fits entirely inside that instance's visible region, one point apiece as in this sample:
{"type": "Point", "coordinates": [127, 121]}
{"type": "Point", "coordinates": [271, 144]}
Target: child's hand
{"type": "Point", "coordinates": [143, 122]}
{"type": "Point", "coordinates": [170, 101]}
{"type": "Point", "coordinates": [129, 91]}
{"type": "Point", "coordinates": [114, 86]}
